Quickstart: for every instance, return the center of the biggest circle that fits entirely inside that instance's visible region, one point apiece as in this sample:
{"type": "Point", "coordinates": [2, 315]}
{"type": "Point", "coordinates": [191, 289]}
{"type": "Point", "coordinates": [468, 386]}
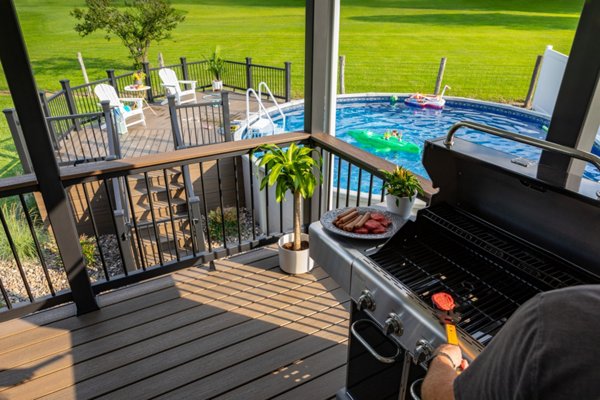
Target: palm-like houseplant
{"type": "Point", "coordinates": [402, 187]}
{"type": "Point", "coordinates": [216, 65]}
{"type": "Point", "coordinates": [294, 169]}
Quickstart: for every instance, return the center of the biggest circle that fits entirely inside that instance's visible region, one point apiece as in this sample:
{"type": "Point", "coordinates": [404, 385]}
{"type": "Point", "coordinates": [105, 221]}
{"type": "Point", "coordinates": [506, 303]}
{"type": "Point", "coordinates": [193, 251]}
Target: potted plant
{"type": "Point", "coordinates": [402, 187]}
{"type": "Point", "coordinates": [138, 78]}
{"type": "Point", "coordinates": [216, 65]}
{"type": "Point", "coordinates": [292, 170]}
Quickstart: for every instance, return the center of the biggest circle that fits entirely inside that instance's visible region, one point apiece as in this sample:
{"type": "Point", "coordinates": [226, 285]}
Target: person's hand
{"type": "Point", "coordinates": [453, 354]}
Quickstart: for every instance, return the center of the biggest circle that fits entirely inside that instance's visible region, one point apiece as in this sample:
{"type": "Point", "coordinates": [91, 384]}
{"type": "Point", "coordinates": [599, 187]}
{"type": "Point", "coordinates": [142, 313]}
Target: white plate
{"type": "Point", "coordinates": [330, 216]}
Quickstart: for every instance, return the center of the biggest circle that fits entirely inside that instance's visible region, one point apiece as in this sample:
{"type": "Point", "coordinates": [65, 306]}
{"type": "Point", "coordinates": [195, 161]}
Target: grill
{"type": "Point", "coordinates": [488, 272]}
{"type": "Point", "coordinates": [498, 232]}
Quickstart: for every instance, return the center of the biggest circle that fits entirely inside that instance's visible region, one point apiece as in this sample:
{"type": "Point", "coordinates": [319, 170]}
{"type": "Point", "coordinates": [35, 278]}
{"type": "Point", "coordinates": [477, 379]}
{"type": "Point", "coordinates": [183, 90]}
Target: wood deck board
{"type": "Point", "coordinates": [155, 137]}
{"type": "Point", "coordinates": [231, 333]}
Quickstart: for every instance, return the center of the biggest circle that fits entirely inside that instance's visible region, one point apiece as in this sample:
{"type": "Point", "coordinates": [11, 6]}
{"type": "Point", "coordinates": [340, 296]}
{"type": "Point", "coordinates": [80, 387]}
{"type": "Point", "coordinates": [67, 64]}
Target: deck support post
{"type": "Point", "coordinates": [124, 236]}
{"type": "Point", "coordinates": [576, 119]}
{"type": "Point", "coordinates": [110, 73]}
{"type": "Point", "coordinates": [177, 141]}
{"type": "Point", "coordinates": [71, 106]}
{"type": "Point", "coordinates": [196, 223]}
{"type": "Point", "coordinates": [320, 84]}
{"type": "Point", "coordinates": [148, 81]}
{"type": "Point", "coordinates": [288, 81]}
{"type": "Point", "coordinates": [226, 122]}
{"type": "Point", "coordinates": [19, 76]}
{"type": "Point", "coordinates": [114, 146]}
{"type": "Point", "coordinates": [17, 134]}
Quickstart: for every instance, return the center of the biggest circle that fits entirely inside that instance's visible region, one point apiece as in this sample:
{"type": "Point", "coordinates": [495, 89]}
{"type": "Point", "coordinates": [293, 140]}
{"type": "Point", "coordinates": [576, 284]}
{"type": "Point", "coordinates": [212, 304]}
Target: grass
{"type": "Point", "coordinates": [390, 45]}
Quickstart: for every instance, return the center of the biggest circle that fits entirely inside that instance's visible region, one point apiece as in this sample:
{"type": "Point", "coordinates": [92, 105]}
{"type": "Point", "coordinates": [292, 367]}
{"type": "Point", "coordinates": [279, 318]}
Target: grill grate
{"type": "Point", "coordinates": [489, 273]}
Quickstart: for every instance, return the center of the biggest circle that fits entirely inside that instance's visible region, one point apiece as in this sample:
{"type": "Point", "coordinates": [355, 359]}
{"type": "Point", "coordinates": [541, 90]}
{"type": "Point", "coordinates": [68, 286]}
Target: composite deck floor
{"type": "Point", "coordinates": [243, 331]}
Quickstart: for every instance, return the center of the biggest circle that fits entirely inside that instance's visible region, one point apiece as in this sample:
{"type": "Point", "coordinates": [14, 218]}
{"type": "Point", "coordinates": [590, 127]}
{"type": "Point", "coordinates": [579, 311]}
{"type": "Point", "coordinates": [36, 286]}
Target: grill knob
{"type": "Point", "coordinates": [365, 301]}
{"type": "Point", "coordinates": [393, 325]}
{"type": "Point", "coordinates": [423, 352]}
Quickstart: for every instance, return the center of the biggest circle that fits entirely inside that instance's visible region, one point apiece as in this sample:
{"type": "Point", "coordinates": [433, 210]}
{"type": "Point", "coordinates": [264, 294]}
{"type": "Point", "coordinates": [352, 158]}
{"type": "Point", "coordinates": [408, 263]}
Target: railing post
{"type": "Point", "coordinates": [342, 74]}
{"type": "Point", "coordinates": [196, 222]}
{"type": "Point", "coordinates": [440, 76]}
{"type": "Point", "coordinates": [114, 147]}
{"type": "Point", "coordinates": [288, 81]}
{"type": "Point", "coordinates": [226, 121]}
{"type": "Point", "coordinates": [249, 83]}
{"type": "Point", "coordinates": [184, 68]}
{"type": "Point", "coordinates": [177, 141]}
{"type": "Point", "coordinates": [21, 82]}
{"type": "Point", "coordinates": [15, 129]}
{"type": "Point", "coordinates": [72, 107]}
{"type": "Point", "coordinates": [148, 81]}
{"type": "Point", "coordinates": [124, 235]}
{"type": "Point", "coordinates": [534, 78]}
{"type": "Point", "coordinates": [45, 105]}
{"type": "Point", "coordinates": [46, 110]}
{"type": "Point", "coordinates": [112, 79]}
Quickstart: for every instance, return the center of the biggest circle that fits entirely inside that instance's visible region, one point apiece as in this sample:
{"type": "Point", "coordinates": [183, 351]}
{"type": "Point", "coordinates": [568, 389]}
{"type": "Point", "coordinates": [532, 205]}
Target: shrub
{"type": "Point", "coordinates": [215, 223]}
{"type": "Point", "coordinates": [88, 249]}
{"type": "Point", "coordinates": [20, 233]}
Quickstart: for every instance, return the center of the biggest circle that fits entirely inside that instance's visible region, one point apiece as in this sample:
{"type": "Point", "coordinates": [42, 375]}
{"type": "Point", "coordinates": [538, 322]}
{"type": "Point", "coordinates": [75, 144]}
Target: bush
{"type": "Point", "coordinates": [88, 249]}
{"type": "Point", "coordinates": [20, 233]}
{"type": "Point", "coordinates": [215, 224]}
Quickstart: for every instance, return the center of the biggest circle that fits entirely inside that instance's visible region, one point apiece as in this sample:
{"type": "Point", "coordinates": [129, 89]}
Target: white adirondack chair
{"type": "Point", "coordinates": [131, 111]}
{"type": "Point", "coordinates": [172, 86]}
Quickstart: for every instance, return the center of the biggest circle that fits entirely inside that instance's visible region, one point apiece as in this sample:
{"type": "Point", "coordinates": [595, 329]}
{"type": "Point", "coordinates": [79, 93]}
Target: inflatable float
{"type": "Point", "coordinates": [427, 101]}
{"type": "Point", "coordinates": [380, 143]}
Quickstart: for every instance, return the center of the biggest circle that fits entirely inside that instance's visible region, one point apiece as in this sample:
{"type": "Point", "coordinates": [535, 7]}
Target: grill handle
{"type": "Point", "coordinates": [542, 144]}
{"type": "Point", "coordinates": [374, 353]}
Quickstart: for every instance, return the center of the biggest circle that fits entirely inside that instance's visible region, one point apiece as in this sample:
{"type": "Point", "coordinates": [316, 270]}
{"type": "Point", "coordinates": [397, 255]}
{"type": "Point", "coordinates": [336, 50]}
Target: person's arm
{"type": "Point", "coordinates": [439, 382]}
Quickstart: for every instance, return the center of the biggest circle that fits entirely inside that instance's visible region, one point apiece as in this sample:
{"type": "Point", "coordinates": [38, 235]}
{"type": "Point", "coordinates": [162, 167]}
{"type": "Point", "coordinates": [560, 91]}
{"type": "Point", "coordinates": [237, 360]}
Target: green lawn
{"type": "Point", "coordinates": [390, 46]}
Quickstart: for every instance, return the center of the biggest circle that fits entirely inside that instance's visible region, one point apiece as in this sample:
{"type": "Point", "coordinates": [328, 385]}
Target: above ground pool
{"type": "Point", "coordinates": [378, 115]}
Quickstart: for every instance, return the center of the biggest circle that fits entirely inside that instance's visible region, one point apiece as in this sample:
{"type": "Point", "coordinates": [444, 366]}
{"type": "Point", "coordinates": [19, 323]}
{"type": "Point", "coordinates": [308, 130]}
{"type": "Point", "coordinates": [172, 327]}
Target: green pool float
{"type": "Point", "coordinates": [377, 142]}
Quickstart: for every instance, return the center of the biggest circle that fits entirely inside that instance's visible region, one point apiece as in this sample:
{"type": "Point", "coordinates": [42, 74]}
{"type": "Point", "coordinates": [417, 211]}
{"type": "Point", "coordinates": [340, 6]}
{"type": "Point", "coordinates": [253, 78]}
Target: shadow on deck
{"type": "Point", "coordinates": [244, 331]}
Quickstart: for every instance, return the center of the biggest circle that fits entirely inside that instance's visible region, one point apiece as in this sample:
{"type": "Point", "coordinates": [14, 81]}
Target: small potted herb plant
{"type": "Point", "coordinates": [216, 65]}
{"type": "Point", "coordinates": [293, 170]}
{"type": "Point", "coordinates": [402, 187]}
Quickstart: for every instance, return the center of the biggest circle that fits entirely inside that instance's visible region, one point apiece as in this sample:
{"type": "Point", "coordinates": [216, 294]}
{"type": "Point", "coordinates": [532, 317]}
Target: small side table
{"type": "Point", "coordinates": [140, 92]}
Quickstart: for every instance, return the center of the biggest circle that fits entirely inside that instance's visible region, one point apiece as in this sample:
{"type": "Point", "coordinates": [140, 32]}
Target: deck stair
{"type": "Point", "coordinates": [162, 221]}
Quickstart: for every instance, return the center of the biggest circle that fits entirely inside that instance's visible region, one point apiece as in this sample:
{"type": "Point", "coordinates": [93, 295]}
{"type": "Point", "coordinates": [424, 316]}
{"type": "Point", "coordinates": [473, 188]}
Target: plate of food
{"type": "Point", "coordinates": [362, 222]}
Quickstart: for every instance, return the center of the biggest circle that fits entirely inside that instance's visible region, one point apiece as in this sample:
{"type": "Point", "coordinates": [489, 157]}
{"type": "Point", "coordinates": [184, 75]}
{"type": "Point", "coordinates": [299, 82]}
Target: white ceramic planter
{"type": "Point", "coordinates": [217, 86]}
{"type": "Point", "coordinates": [402, 207]}
{"type": "Point", "coordinates": [294, 262]}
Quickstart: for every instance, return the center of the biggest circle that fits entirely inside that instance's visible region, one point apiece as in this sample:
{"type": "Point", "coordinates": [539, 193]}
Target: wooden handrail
{"type": "Point", "coordinates": [18, 184]}
{"type": "Point", "coordinates": [363, 159]}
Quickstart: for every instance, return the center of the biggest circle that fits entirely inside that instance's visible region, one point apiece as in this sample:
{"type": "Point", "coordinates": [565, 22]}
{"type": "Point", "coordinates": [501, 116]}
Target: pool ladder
{"type": "Point", "coordinates": [262, 126]}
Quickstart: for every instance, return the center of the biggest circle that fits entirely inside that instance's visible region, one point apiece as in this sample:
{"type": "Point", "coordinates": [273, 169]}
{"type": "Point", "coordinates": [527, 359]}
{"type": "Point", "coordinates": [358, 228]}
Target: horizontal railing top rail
{"type": "Point", "coordinates": [363, 159]}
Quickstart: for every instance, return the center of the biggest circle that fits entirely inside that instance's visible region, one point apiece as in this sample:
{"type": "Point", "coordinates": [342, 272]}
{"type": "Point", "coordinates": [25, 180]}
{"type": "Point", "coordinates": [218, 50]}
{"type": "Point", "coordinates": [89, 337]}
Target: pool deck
{"type": "Point", "coordinates": [155, 137]}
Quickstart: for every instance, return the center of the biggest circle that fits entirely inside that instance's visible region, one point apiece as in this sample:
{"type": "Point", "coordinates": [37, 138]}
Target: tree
{"type": "Point", "coordinates": [139, 24]}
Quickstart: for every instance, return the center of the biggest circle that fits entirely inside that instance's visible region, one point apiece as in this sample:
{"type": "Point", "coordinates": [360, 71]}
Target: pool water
{"type": "Point", "coordinates": [419, 125]}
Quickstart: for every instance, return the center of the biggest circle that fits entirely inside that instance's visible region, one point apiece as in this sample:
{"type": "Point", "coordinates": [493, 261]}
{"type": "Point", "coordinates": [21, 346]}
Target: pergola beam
{"type": "Point", "coordinates": [576, 115]}
{"type": "Point", "coordinates": [320, 71]}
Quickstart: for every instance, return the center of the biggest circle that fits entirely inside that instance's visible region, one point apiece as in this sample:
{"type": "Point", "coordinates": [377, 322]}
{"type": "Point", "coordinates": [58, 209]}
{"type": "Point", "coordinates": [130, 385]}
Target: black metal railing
{"type": "Point", "coordinates": [31, 273]}
{"type": "Point", "coordinates": [155, 214]}
{"type": "Point", "coordinates": [199, 124]}
{"type": "Point", "coordinates": [84, 138]}
{"type": "Point", "coordinates": [238, 76]}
